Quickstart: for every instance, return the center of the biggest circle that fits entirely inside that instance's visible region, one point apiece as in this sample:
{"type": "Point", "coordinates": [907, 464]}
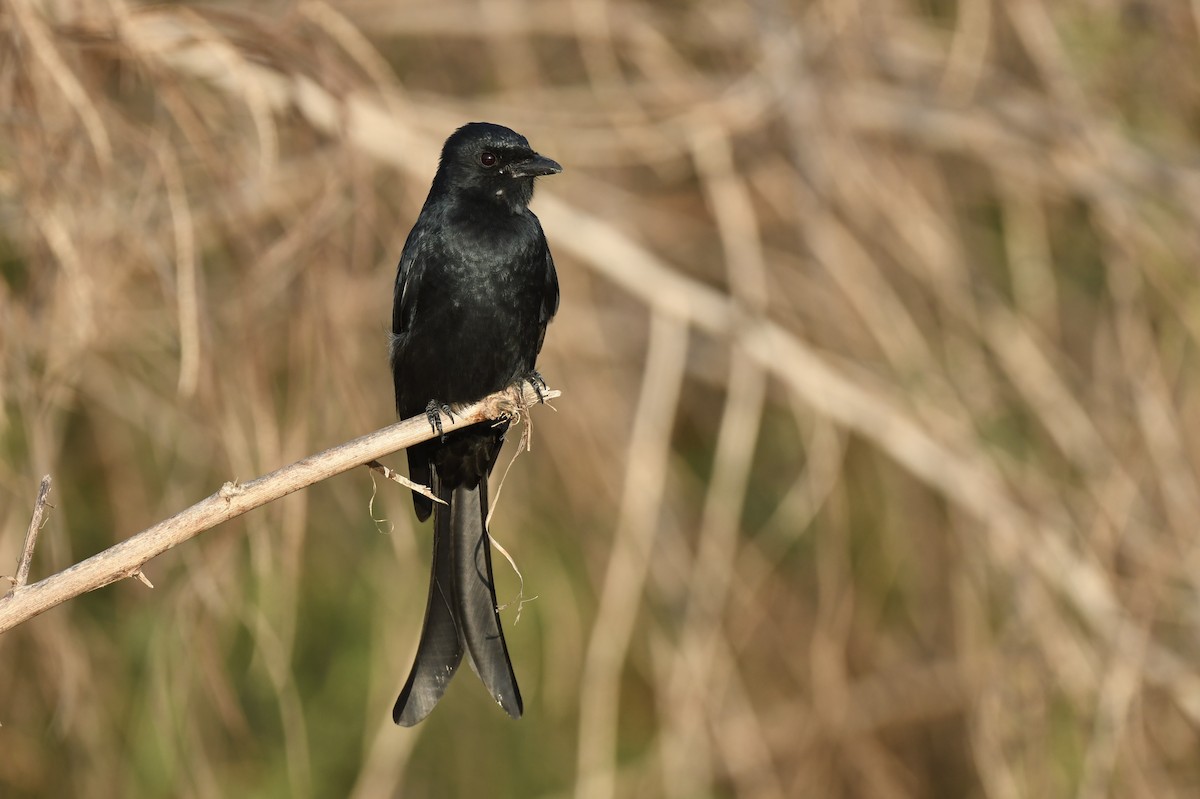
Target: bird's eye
{"type": "Point", "coordinates": [488, 159]}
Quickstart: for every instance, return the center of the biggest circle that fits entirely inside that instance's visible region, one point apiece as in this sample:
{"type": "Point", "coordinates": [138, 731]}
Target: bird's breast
{"type": "Point", "coordinates": [476, 323]}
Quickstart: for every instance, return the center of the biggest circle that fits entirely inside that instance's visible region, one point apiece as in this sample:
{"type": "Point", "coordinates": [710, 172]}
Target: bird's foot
{"type": "Point", "coordinates": [538, 383]}
{"type": "Point", "coordinates": [433, 412]}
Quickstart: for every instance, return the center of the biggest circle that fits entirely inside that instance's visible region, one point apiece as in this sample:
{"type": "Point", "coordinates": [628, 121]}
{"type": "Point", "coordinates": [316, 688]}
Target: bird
{"type": "Point", "coordinates": [475, 290]}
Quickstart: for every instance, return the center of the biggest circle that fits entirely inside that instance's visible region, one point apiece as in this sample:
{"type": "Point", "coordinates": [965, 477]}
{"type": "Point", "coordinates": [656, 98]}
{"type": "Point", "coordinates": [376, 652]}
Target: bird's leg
{"type": "Point", "coordinates": [433, 412]}
{"type": "Point", "coordinates": [534, 378]}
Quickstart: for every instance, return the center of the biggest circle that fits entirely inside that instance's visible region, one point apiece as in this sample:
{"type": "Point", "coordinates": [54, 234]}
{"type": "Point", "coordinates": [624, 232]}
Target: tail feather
{"type": "Point", "coordinates": [441, 648]}
{"type": "Point", "coordinates": [461, 613]}
{"type": "Point", "coordinates": [419, 472]}
{"type": "Point", "coordinates": [479, 622]}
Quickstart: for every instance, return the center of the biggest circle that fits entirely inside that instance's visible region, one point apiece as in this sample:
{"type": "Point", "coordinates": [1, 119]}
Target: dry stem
{"type": "Point", "coordinates": [35, 526]}
{"type": "Point", "coordinates": [127, 558]}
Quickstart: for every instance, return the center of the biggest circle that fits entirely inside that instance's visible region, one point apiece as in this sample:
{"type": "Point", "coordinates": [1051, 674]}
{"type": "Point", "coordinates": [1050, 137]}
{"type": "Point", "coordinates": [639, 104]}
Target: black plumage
{"type": "Point", "coordinates": [474, 292]}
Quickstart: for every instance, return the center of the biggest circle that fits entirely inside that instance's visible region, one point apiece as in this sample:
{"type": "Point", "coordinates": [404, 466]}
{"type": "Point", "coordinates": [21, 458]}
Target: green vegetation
{"type": "Point", "coordinates": [921, 522]}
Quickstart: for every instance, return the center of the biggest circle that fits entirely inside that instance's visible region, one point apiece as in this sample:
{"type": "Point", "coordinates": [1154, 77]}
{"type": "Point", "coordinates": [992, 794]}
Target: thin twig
{"type": "Point", "coordinates": [371, 505]}
{"type": "Point", "coordinates": [524, 445]}
{"type": "Point", "coordinates": [391, 474]}
{"type": "Point", "coordinates": [233, 499]}
{"type": "Point", "coordinates": [35, 526]}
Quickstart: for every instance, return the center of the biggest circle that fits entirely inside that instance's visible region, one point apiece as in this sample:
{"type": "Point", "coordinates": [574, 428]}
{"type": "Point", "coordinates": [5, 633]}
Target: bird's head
{"type": "Point", "coordinates": [491, 161]}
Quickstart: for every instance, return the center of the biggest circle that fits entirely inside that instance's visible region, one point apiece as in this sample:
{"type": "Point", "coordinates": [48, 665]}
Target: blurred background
{"type": "Point", "coordinates": [875, 469]}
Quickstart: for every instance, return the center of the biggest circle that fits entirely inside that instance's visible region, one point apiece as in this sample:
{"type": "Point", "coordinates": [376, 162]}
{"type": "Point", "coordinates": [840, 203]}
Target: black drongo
{"type": "Point", "coordinates": [475, 290]}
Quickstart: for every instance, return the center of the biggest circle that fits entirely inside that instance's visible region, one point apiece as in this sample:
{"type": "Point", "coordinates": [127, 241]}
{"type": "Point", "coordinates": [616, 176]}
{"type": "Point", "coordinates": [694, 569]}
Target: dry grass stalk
{"type": "Point", "coordinates": [912, 512]}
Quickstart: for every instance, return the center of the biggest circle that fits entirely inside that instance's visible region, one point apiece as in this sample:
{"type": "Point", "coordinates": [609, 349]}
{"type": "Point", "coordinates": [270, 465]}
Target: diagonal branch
{"type": "Point", "coordinates": [233, 499]}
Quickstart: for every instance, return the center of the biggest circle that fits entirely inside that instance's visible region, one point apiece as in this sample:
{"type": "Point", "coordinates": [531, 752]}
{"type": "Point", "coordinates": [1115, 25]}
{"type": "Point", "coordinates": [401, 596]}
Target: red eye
{"type": "Point", "coordinates": [488, 159]}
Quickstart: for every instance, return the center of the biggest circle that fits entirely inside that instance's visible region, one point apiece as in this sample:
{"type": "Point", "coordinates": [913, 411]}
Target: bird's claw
{"type": "Point", "coordinates": [537, 383]}
{"type": "Point", "coordinates": [433, 412]}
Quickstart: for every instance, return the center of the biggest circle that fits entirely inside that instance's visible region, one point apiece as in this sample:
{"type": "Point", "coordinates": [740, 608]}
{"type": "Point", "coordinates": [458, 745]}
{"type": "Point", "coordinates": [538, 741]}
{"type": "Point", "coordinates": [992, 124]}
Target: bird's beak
{"type": "Point", "coordinates": [537, 166]}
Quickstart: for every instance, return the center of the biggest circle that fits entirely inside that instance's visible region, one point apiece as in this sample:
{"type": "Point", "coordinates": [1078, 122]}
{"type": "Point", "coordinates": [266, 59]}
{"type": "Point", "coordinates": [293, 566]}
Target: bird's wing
{"type": "Point", "coordinates": [550, 295]}
{"type": "Point", "coordinates": [404, 309]}
{"type": "Point", "coordinates": [408, 277]}
{"type": "Point", "coordinates": [550, 299]}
